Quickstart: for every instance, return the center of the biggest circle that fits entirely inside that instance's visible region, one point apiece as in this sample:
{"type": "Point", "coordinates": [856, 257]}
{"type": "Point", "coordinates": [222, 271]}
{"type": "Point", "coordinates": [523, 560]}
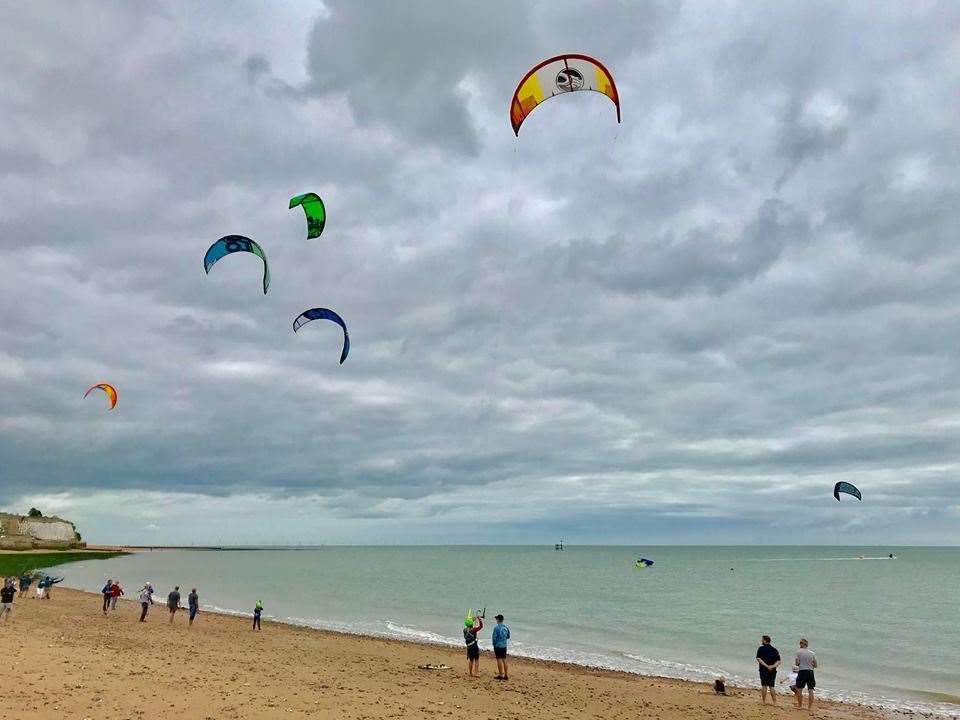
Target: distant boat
{"type": "Point", "coordinates": [559, 545]}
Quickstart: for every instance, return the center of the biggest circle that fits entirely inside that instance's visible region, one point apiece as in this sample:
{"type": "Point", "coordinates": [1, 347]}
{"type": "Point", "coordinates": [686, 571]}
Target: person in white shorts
{"type": "Point", "coordinates": [6, 598]}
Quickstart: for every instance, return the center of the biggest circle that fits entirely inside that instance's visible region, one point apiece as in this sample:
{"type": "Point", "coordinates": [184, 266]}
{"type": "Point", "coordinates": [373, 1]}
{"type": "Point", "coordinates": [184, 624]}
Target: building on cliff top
{"type": "Point", "coordinates": [21, 532]}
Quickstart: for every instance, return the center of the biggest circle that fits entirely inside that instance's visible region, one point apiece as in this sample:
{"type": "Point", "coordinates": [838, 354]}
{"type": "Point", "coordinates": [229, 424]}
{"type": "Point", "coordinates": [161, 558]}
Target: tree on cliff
{"type": "Point", "coordinates": [34, 513]}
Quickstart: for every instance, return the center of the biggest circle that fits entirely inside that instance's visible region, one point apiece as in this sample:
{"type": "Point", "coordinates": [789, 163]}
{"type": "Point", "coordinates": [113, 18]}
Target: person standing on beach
{"type": "Point", "coordinates": [193, 601]}
{"type": "Point", "coordinates": [6, 598]}
{"type": "Point", "coordinates": [115, 592]}
{"type": "Point", "coordinates": [25, 582]}
{"type": "Point", "coordinates": [768, 660]}
{"type": "Point", "coordinates": [501, 633]}
{"type": "Point", "coordinates": [146, 600]}
{"type": "Point", "coordinates": [806, 662]}
{"type": "Point", "coordinates": [471, 626]}
{"type": "Point", "coordinates": [257, 609]}
{"type": "Point", "coordinates": [173, 602]}
{"type": "Point", "coordinates": [107, 592]}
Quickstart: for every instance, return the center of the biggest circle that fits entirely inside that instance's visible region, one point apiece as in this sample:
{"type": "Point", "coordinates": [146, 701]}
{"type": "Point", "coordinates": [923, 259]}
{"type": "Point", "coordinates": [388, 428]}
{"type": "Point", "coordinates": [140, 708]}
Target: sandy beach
{"type": "Point", "coordinates": [65, 660]}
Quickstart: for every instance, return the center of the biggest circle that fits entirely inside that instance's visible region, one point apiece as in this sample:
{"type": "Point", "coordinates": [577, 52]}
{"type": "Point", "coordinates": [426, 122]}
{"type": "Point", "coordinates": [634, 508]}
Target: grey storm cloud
{"type": "Point", "coordinates": [694, 322]}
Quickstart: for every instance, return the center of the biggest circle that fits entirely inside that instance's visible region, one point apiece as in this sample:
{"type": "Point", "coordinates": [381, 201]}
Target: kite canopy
{"type": "Point", "coordinates": [108, 389]}
{"type": "Point", "coordinates": [643, 562]}
{"type": "Point", "coordinates": [315, 211]}
{"type": "Point", "coordinates": [236, 243]}
{"type": "Point", "coordinates": [558, 75]}
{"type": "Point", "coordinates": [848, 488]}
{"type": "Point", "coordinates": [325, 314]}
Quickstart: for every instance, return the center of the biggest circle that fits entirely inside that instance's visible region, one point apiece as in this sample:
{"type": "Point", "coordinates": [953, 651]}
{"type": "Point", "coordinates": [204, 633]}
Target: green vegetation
{"type": "Point", "coordinates": [34, 513]}
{"type": "Point", "coordinates": [13, 564]}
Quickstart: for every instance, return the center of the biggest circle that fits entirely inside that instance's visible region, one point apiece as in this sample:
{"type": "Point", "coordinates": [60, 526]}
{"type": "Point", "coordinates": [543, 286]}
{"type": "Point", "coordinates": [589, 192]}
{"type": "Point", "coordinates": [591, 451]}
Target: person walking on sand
{"type": "Point", "coordinates": [146, 600]}
{"type": "Point", "coordinates": [193, 601]}
{"type": "Point", "coordinates": [173, 602]}
{"type": "Point", "coordinates": [501, 633]}
{"type": "Point", "coordinates": [6, 598]}
{"type": "Point", "coordinates": [107, 592]}
{"type": "Point", "coordinates": [257, 609]}
{"type": "Point", "coordinates": [806, 663]}
{"type": "Point", "coordinates": [471, 626]}
{"type": "Point", "coordinates": [768, 660]}
{"type": "Point", "coordinates": [115, 592]}
{"type": "Point", "coordinates": [25, 582]}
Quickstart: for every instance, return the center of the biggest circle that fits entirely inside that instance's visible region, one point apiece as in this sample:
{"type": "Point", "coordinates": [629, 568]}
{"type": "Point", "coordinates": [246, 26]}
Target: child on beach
{"type": "Point", "coordinates": [257, 609]}
{"type": "Point", "coordinates": [792, 679]}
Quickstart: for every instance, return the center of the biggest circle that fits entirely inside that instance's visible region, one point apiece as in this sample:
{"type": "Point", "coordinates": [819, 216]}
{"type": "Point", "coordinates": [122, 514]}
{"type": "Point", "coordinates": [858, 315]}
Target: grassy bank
{"type": "Point", "coordinates": [16, 563]}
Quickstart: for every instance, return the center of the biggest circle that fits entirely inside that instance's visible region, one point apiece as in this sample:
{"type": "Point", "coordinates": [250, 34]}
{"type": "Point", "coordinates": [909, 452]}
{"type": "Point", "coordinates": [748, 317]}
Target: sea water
{"type": "Point", "coordinates": [886, 632]}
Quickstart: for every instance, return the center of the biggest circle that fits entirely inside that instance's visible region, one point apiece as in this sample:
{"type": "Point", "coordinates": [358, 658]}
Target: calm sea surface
{"type": "Point", "coordinates": [886, 632]}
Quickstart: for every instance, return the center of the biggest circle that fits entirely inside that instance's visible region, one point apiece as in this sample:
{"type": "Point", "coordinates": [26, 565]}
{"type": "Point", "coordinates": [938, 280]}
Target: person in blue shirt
{"type": "Point", "coordinates": [501, 633]}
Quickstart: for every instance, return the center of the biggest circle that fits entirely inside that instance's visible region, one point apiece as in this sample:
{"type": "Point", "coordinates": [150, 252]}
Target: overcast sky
{"type": "Point", "coordinates": [681, 329]}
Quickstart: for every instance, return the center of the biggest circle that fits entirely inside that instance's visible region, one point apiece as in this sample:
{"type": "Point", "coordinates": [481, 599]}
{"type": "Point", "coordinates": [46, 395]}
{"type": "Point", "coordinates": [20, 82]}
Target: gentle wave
{"type": "Point", "coordinates": [816, 559]}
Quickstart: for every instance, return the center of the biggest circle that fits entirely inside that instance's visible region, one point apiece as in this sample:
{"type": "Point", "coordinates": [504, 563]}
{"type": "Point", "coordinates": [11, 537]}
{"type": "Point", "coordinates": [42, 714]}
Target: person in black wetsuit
{"type": "Point", "coordinates": [471, 626]}
{"type": "Point", "coordinates": [768, 660]}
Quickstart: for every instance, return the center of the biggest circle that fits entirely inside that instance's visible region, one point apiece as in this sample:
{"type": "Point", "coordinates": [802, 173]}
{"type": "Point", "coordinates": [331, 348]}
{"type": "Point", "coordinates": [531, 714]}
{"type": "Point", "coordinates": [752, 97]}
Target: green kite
{"type": "Point", "coordinates": [314, 210]}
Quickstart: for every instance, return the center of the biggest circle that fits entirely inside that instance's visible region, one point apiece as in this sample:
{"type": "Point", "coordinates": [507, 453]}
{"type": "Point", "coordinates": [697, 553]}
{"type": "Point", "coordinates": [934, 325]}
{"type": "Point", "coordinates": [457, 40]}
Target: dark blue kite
{"type": "Point", "coordinates": [325, 314]}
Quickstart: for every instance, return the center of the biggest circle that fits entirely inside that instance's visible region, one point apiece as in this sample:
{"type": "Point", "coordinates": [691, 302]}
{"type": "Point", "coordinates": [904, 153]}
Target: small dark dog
{"type": "Point", "coordinates": [718, 687]}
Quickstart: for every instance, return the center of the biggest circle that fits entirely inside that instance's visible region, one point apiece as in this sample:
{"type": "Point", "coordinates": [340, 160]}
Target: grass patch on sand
{"type": "Point", "coordinates": [13, 564]}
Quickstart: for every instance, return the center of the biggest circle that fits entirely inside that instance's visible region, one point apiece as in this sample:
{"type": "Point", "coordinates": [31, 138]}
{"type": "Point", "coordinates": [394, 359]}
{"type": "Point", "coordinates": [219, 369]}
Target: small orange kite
{"type": "Point", "coordinates": [109, 390]}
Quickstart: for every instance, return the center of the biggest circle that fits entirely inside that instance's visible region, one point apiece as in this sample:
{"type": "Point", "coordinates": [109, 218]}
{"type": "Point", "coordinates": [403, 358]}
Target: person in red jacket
{"type": "Point", "coordinates": [115, 592]}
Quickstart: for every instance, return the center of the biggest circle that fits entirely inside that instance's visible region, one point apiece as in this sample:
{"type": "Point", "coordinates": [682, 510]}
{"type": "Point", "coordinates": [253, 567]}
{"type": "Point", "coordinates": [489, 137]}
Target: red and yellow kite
{"type": "Point", "coordinates": [558, 75]}
{"type": "Point", "coordinates": [109, 390]}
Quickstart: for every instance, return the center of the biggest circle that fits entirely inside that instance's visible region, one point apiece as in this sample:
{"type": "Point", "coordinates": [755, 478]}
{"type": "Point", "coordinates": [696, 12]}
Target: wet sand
{"type": "Point", "coordinates": [63, 659]}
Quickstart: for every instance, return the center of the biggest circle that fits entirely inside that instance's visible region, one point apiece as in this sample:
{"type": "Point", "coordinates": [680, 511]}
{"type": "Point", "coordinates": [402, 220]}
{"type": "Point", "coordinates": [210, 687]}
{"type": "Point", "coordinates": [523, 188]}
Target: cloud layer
{"type": "Point", "coordinates": [683, 328]}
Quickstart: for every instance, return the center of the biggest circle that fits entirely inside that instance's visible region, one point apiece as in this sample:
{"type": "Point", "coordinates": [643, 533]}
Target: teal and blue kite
{"type": "Point", "coordinates": [236, 243]}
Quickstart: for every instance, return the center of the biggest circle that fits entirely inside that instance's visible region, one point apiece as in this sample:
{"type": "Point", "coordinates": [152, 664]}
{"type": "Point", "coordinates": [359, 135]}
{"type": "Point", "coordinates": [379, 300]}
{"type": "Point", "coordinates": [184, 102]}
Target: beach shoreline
{"type": "Point", "coordinates": [71, 661]}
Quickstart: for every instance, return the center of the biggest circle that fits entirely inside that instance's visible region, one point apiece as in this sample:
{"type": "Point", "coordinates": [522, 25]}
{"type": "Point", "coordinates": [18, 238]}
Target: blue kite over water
{"type": "Point", "coordinates": [325, 314]}
{"type": "Point", "coordinates": [848, 488]}
{"type": "Point", "coordinates": [644, 563]}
